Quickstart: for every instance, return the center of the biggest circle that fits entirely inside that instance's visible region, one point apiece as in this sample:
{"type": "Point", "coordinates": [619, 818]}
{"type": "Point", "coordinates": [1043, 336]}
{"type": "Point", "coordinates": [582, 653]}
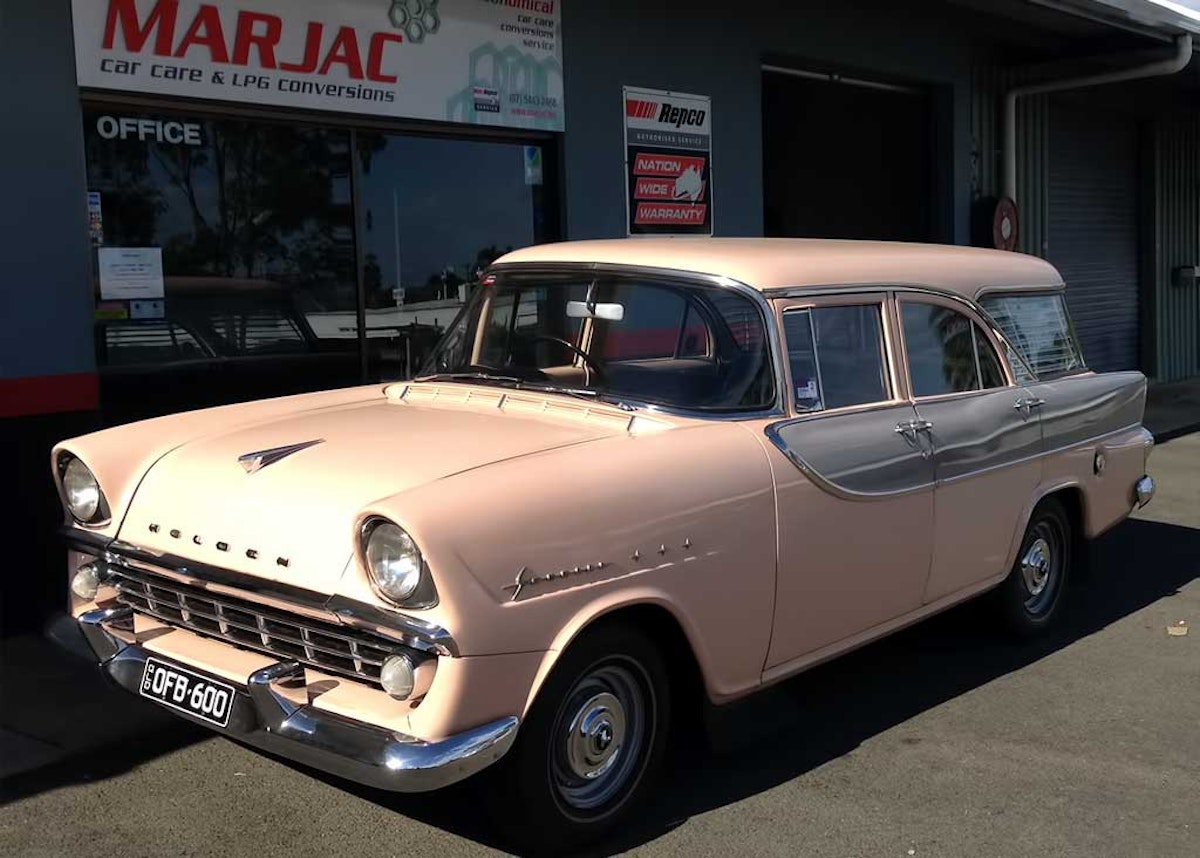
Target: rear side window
{"type": "Point", "coordinates": [1040, 329]}
{"type": "Point", "coordinates": [947, 352]}
{"type": "Point", "coordinates": [836, 356]}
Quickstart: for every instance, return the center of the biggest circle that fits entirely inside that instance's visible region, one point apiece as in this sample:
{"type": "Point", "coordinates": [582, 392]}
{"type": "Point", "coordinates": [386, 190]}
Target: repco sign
{"type": "Point", "coordinates": [654, 113]}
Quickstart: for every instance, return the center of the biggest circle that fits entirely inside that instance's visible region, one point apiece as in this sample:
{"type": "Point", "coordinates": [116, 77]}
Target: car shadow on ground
{"type": "Point", "coordinates": [754, 744]}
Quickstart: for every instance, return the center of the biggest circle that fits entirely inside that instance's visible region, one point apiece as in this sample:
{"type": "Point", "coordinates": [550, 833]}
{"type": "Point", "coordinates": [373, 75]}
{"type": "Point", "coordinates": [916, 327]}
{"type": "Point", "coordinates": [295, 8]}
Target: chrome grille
{"type": "Point", "coordinates": [325, 646]}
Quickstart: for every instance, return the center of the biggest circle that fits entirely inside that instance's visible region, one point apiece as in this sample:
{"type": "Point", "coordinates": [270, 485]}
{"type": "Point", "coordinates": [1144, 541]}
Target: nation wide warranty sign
{"type": "Point", "coordinates": [668, 162]}
{"type": "Point", "coordinates": [483, 62]}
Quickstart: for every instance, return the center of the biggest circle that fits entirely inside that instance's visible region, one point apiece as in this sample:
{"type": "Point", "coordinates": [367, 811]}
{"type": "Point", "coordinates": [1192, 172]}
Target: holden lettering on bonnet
{"type": "Point", "coordinates": [254, 462]}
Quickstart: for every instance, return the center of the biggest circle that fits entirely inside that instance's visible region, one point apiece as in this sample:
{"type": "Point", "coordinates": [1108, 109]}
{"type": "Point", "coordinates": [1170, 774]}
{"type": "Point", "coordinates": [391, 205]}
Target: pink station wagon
{"type": "Point", "coordinates": [626, 464]}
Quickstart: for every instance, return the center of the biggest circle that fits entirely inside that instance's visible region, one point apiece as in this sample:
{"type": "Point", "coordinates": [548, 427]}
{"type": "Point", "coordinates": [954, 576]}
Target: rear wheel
{"type": "Point", "coordinates": [592, 742]}
{"type": "Point", "coordinates": [1032, 595]}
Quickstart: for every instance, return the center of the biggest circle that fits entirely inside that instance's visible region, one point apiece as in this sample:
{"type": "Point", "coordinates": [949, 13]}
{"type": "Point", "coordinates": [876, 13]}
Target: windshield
{"type": "Point", "coordinates": [654, 341]}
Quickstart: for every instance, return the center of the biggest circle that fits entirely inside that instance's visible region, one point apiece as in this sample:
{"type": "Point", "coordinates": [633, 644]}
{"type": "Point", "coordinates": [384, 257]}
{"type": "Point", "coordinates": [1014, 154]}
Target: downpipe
{"type": "Point", "coordinates": [1159, 68]}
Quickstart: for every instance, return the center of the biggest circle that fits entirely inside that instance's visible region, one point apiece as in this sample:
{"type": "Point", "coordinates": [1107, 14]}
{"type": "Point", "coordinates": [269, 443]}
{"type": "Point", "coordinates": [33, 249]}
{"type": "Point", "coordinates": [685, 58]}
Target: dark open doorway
{"type": "Point", "coordinates": [845, 158]}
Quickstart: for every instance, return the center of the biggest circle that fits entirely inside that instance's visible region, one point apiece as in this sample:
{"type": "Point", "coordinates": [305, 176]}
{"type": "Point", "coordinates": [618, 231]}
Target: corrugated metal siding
{"type": "Point", "coordinates": [1177, 197]}
{"type": "Point", "coordinates": [988, 85]}
{"type": "Point", "coordinates": [1092, 229]}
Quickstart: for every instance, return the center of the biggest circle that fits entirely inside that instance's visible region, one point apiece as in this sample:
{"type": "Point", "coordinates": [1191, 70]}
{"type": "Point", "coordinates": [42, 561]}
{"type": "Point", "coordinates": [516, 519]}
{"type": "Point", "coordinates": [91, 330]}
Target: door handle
{"type": "Point", "coordinates": [910, 428]}
{"type": "Point", "coordinates": [1025, 405]}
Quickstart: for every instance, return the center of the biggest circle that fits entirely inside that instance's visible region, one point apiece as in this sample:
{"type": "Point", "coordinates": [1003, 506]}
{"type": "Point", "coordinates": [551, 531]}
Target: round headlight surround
{"type": "Point", "coordinates": [395, 566]}
{"type": "Point", "coordinates": [82, 493]}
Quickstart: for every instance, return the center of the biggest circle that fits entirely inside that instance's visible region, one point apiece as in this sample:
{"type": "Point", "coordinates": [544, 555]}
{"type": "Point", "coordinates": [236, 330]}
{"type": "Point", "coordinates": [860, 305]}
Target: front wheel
{"type": "Point", "coordinates": [593, 740]}
{"type": "Point", "coordinates": [1031, 596]}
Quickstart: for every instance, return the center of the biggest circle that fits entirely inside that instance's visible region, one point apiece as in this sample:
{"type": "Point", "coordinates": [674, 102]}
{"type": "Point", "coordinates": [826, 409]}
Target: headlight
{"type": "Point", "coordinates": [84, 498]}
{"type": "Point", "coordinates": [395, 565]}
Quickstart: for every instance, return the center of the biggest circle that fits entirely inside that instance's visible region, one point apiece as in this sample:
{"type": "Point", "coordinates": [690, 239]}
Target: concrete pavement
{"type": "Point", "coordinates": [941, 741]}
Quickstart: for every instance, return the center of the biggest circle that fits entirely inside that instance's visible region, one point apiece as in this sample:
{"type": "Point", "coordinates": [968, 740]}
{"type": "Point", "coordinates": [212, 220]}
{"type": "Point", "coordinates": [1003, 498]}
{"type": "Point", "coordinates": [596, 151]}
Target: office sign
{"type": "Point", "coordinates": [668, 162]}
{"type": "Point", "coordinates": [483, 62]}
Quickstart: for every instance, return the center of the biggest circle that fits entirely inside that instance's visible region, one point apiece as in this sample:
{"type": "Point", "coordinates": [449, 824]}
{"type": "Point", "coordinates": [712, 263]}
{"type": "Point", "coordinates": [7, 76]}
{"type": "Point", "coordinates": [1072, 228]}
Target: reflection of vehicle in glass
{"type": "Point", "coordinates": [635, 477]}
{"type": "Point", "coordinates": [232, 338]}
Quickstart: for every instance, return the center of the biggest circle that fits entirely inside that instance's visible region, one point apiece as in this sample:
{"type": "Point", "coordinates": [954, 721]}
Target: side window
{"type": "Point", "coordinates": [941, 349]}
{"type": "Point", "coordinates": [1040, 329]}
{"type": "Point", "coordinates": [836, 356]}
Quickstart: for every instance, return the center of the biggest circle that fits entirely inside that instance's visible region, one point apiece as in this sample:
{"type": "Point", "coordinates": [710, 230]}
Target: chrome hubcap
{"type": "Point", "coordinates": [596, 736]}
{"type": "Point", "coordinates": [1035, 566]}
{"type": "Point", "coordinates": [1041, 566]}
{"type": "Point", "coordinates": [602, 733]}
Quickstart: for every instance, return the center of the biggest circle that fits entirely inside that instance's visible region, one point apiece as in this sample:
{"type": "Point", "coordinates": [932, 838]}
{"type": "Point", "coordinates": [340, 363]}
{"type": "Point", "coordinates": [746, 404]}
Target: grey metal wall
{"type": "Point", "coordinates": [1092, 229]}
{"type": "Point", "coordinates": [1177, 218]}
{"type": "Point", "coordinates": [45, 299]}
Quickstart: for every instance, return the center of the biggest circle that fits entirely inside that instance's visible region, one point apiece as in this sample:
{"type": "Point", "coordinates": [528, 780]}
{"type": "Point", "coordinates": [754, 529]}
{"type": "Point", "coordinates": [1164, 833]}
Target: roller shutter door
{"type": "Point", "coordinates": [1092, 229]}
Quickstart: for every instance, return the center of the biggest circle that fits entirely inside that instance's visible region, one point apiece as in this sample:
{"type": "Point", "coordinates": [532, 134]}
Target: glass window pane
{"type": "Point", "coordinates": [436, 212]}
{"type": "Point", "coordinates": [695, 339]}
{"type": "Point", "coordinates": [850, 353]}
{"type": "Point", "coordinates": [650, 326]}
{"type": "Point", "coordinates": [845, 363]}
{"type": "Point", "coordinates": [989, 362]}
{"type": "Point", "coordinates": [255, 226]}
{"type": "Point", "coordinates": [633, 358]}
{"type": "Point", "coordinates": [802, 357]}
{"type": "Point", "coordinates": [941, 355]}
{"type": "Point", "coordinates": [1040, 329]}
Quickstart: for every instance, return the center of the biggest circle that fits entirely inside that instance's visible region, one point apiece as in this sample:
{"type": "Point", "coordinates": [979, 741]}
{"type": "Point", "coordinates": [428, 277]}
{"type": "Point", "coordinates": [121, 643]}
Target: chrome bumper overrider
{"type": "Point", "coordinates": [264, 717]}
{"type": "Point", "coordinates": [1143, 490]}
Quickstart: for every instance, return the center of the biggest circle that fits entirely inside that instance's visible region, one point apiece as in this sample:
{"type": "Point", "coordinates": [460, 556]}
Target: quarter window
{"type": "Point", "coordinates": [1040, 329]}
{"type": "Point", "coordinates": [836, 356]}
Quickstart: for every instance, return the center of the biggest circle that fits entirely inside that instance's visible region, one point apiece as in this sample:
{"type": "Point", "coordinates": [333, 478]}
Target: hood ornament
{"type": "Point", "coordinates": [254, 462]}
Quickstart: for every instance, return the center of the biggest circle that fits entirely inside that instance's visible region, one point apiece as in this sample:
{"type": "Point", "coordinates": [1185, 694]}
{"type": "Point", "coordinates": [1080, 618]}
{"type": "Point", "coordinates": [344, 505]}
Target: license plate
{"type": "Point", "coordinates": [180, 688]}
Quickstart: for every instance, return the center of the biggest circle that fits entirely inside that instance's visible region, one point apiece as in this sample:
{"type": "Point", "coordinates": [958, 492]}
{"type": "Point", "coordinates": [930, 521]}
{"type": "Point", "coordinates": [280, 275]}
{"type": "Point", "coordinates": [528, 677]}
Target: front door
{"type": "Point", "coordinates": [854, 481]}
{"type": "Point", "coordinates": [985, 437]}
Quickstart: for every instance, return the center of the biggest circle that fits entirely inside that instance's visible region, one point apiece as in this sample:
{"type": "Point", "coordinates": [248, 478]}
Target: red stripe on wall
{"type": "Point", "coordinates": [49, 394]}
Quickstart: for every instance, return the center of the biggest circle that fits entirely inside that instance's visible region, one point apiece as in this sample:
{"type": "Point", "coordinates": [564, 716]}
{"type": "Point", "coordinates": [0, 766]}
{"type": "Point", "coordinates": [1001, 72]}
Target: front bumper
{"type": "Point", "coordinates": [264, 715]}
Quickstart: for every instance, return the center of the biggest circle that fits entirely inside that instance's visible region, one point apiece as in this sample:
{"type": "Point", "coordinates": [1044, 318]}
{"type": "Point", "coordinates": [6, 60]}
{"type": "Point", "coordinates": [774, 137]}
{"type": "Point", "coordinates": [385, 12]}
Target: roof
{"type": "Point", "coordinates": [777, 263]}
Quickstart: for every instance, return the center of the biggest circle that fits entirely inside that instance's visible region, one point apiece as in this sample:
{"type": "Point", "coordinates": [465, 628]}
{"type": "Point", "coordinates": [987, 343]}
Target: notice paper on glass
{"type": "Point", "coordinates": [127, 273]}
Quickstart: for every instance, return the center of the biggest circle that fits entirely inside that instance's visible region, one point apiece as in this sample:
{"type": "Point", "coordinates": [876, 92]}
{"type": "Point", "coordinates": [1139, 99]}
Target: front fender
{"type": "Point", "coordinates": [526, 553]}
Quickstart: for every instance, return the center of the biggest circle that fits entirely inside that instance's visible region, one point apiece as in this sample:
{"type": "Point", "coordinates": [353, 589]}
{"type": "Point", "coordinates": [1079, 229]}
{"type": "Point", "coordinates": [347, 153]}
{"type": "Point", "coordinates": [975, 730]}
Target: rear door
{"type": "Point", "coordinates": [985, 438]}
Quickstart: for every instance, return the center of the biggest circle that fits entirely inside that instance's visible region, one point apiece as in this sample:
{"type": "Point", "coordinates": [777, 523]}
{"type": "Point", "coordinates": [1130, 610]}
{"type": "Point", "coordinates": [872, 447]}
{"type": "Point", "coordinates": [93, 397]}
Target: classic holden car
{"type": "Point", "coordinates": [630, 470]}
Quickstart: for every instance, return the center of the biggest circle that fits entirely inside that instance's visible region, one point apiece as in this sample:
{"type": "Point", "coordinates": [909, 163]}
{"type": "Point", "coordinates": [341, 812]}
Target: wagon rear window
{"type": "Point", "coordinates": [1040, 329]}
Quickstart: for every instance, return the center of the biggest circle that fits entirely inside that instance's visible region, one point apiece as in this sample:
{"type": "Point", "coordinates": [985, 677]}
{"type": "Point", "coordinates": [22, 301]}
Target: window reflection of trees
{"type": "Point", "coordinates": [276, 210]}
{"type": "Point", "coordinates": [958, 351]}
{"type": "Point", "coordinates": [255, 201]}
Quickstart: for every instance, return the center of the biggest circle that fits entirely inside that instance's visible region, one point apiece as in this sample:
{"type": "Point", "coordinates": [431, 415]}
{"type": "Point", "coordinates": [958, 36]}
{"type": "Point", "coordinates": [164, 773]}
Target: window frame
{"type": "Point", "coordinates": [979, 322]}
{"type": "Point", "coordinates": [1060, 292]}
{"type": "Point", "coordinates": [848, 299]}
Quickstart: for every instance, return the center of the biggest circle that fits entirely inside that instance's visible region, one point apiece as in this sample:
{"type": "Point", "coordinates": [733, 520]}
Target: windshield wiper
{"type": "Point", "coordinates": [470, 376]}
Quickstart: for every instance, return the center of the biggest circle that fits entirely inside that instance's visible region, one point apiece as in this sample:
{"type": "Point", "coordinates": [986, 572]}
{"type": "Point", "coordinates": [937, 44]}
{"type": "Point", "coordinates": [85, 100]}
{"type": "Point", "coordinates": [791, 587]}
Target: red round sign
{"type": "Point", "coordinates": [1004, 224]}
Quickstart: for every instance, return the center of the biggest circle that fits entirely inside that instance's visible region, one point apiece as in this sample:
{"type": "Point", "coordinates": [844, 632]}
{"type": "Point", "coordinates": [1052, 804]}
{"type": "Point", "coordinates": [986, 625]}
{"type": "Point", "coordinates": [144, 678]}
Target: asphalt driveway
{"type": "Point", "coordinates": [941, 741]}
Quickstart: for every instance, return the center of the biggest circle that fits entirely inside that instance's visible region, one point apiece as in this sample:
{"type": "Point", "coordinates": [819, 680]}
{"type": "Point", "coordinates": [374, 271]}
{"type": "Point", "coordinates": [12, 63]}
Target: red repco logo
{"type": "Point", "coordinates": [253, 31]}
{"type": "Point", "coordinates": [638, 109]}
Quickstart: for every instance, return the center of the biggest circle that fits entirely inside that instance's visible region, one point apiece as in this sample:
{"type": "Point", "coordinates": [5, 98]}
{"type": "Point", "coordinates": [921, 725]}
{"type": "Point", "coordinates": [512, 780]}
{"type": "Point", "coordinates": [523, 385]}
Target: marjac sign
{"type": "Point", "coordinates": [484, 62]}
